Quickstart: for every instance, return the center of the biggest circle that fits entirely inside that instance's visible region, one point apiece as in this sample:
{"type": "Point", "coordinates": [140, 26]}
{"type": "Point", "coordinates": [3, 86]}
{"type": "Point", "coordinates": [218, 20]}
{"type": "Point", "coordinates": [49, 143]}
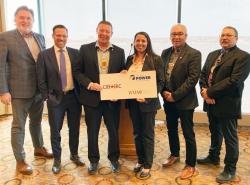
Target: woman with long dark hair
{"type": "Point", "coordinates": [143, 110]}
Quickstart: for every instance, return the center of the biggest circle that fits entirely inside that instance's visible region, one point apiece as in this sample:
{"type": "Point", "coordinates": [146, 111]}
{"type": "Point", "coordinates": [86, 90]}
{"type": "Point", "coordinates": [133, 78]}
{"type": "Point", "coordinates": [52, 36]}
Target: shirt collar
{"type": "Point", "coordinates": [227, 50]}
{"type": "Point", "coordinates": [57, 49]}
{"type": "Point", "coordinates": [133, 57]}
{"type": "Point", "coordinates": [109, 47]}
{"type": "Point", "coordinates": [178, 50]}
{"type": "Point", "coordinates": [26, 35]}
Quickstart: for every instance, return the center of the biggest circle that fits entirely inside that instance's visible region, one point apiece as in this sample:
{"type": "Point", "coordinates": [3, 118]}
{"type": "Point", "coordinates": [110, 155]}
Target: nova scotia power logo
{"type": "Point", "coordinates": [139, 77]}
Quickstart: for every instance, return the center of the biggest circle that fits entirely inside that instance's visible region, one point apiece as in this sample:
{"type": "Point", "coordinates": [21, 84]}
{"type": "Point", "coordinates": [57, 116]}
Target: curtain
{"type": "Point", "coordinates": [2, 25]}
{"type": "Point", "coordinates": [3, 108]}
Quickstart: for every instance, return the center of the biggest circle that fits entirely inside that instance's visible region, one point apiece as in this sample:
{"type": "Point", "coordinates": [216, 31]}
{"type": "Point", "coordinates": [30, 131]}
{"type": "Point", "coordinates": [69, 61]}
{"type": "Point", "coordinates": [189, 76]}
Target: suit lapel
{"type": "Point", "coordinates": [111, 58]}
{"type": "Point", "coordinates": [183, 52]}
{"type": "Point", "coordinates": [129, 62]}
{"type": "Point", "coordinates": [180, 57]}
{"type": "Point", "coordinates": [146, 65]}
{"type": "Point", "coordinates": [94, 53]}
{"type": "Point", "coordinates": [167, 57]}
{"type": "Point", "coordinates": [226, 57]}
{"type": "Point", "coordinates": [71, 58]}
{"type": "Point", "coordinates": [53, 59]}
{"type": "Point", "coordinates": [213, 58]}
{"type": "Point", "coordinates": [38, 41]}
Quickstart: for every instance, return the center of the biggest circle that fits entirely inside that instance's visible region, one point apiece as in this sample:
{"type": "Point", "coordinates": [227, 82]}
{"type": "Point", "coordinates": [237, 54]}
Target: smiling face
{"type": "Point", "coordinates": [228, 38]}
{"type": "Point", "coordinates": [104, 32]}
{"type": "Point", "coordinates": [178, 35]}
{"type": "Point", "coordinates": [60, 36]}
{"type": "Point", "coordinates": [24, 21]}
{"type": "Point", "coordinates": [141, 44]}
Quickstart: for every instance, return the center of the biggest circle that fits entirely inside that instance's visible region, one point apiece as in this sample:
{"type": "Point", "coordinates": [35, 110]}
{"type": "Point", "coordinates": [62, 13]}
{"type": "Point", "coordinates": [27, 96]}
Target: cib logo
{"type": "Point", "coordinates": [112, 86]}
{"type": "Point", "coordinates": [134, 77]}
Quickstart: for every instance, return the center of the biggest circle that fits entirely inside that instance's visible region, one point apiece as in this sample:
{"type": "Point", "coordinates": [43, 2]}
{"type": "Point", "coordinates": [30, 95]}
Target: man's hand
{"type": "Point", "coordinates": [5, 98]}
{"type": "Point", "coordinates": [95, 87]}
{"type": "Point", "coordinates": [204, 93]}
{"type": "Point", "coordinates": [168, 96]}
{"type": "Point", "coordinates": [165, 94]}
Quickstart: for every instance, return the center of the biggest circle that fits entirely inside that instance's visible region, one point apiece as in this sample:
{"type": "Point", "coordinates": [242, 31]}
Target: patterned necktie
{"type": "Point", "coordinates": [63, 69]}
{"type": "Point", "coordinates": [217, 61]}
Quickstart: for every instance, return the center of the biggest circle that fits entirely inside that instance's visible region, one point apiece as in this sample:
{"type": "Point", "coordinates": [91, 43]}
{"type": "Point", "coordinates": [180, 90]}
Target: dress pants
{"type": "Point", "coordinates": [143, 130]}
{"type": "Point", "coordinates": [227, 128]}
{"type": "Point", "coordinates": [186, 119]}
{"type": "Point", "coordinates": [21, 109]}
{"type": "Point", "coordinates": [69, 105]}
{"type": "Point", "coordinates": [216, 138]}
{"type": "Point", "coordinates": [110, 111]}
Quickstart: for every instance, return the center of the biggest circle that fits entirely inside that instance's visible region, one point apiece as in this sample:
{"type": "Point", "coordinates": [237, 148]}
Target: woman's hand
{"type": "Point", "coordinates": [124, 71]}
{"type": "Point", "coordinates": [141, 100]}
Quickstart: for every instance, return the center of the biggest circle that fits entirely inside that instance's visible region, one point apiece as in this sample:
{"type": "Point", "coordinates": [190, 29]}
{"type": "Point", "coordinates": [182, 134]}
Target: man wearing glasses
{"type": "Point", "coordinates": [221, 82]}
{"type": "Point", "coordinates": [182, 66]}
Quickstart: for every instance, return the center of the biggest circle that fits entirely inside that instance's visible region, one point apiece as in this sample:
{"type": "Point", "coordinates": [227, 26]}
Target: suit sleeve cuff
{"type": "Point", "coordinates": [90, 84]}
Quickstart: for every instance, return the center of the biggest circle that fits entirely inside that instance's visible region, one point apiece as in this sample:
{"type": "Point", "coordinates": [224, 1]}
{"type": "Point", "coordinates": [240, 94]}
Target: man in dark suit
{"type": "Point", "coordinates": [95, 58]}
{"type": "Point", "coordinates": [58, 87]}
{"type": "Point", "coordinates": [222, 82]}
{"type": "Point", "coordinates": [19, 49]}
{"type": "Point", "coordinates": [182, 65]}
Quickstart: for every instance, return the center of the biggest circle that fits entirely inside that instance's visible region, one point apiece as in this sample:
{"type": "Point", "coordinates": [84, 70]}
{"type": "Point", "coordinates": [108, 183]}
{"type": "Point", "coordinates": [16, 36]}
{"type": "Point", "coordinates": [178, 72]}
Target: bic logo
{"type": "Point", "coordinates": [133, 77]}
{"type": "Point", "coordinates": [112, 86]}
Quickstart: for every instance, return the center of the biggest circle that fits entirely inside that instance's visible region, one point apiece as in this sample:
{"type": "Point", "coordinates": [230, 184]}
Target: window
{"type": "Point", "coordinates": [80, 17]}
{"type": "Point", "coordinates": [205, 20]}
{"type": "Point", "coordinates": [154, 17]}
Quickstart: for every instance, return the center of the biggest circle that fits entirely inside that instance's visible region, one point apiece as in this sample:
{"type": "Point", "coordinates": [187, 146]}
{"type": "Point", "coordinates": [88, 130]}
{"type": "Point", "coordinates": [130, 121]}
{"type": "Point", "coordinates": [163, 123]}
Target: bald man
{"type": "Point", "coordinates": [182, 66]}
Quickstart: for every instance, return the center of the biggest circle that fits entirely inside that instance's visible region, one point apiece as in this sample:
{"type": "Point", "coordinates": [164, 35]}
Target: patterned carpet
{"type": "Point", "coordinates": [72, 175]}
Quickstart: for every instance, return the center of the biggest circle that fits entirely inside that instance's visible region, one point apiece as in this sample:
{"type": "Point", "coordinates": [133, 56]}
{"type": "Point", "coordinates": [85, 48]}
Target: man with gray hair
{"type": "Point", "coordinates": [182, 66]}
{"type": "Point", "coordinates": [222, 82]}
{"type": "Point", "coordinates": [19, 49]}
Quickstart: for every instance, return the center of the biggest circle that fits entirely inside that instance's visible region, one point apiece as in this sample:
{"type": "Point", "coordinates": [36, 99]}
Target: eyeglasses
{"type": "Point", "coordinates": [227, 35]}
{"type": "Point", "coordinates": [175, 34]}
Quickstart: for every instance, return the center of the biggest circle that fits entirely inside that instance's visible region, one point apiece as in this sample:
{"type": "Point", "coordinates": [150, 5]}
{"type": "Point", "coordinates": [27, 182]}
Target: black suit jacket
{"type": "Point", "coordinates": [49, 80]}
{"type": "Point", "coordinates": [87, 70]}
{"type": "Point", "coordinates": [184, 77]}
{"type": "Point", "coordinates": [151, 104]}
{"type": "Point", "coordinates": [228, 82]}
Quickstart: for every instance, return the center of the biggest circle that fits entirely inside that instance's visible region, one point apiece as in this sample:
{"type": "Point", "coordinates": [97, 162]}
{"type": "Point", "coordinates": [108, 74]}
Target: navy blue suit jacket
{"type": "Point", "coordinates": [49, 80]}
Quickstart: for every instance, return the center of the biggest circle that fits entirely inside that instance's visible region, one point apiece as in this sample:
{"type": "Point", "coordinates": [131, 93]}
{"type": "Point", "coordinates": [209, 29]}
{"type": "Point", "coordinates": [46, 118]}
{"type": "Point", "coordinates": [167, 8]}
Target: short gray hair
{"type": "Point", "coordinates": [232, 28]}
{"type": "Point", "coordinates": [25, 8]}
